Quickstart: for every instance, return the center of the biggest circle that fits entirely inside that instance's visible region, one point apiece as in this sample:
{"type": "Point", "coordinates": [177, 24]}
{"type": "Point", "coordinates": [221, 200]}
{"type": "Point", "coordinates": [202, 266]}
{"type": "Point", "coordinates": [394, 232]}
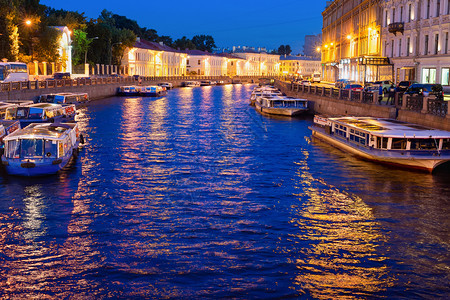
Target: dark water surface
{"type": "Point", "coordinates": [196, 195]}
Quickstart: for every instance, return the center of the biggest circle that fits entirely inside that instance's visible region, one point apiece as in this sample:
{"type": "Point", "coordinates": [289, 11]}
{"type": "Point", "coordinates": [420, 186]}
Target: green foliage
{"type": "Point", "coordinates": [183, 44]}
{"type": "Point", "coordinates": [204, 42]}
{"type": "Point", "coordinates": [45, 47]}
{"type": "Point", "coordinates": [284, 50]}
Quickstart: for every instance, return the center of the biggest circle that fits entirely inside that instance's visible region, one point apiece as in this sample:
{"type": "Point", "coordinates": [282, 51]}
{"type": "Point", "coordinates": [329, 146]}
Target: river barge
{"type": "Point", "coordinates": [152, 91]}
{"type": "Point", "coordinates": [281, 105]}
{"type": "Point", "coordinates": [41, 113]}
{"type": "Point", "coordinates": [386, 141]}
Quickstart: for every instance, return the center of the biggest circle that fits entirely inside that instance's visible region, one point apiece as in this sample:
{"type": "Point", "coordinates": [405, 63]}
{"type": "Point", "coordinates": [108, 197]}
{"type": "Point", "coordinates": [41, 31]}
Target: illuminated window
{"type": "Point", "coordinates": [445, 76]}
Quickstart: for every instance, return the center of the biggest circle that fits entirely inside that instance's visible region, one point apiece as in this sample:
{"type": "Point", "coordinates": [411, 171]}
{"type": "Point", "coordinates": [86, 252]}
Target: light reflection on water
{"type": "Point", "coordinates": [197, 195]}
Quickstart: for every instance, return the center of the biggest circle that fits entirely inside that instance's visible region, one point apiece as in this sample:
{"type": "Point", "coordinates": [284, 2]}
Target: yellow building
{"type": "Point", "coordinates": [299, 66]}
{"type": "Point", "coordinates": [154, 59]}
{"type": "Point", "coordinates": [205, 64]}
{"type": "Point", "coordinates": [260, 63]}
{"type": "Point", "coordinates": [351, 42]}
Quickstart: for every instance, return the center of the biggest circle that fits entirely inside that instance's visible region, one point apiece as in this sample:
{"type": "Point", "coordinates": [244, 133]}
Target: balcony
{"type": "Point", "coordinates": [396, 27]}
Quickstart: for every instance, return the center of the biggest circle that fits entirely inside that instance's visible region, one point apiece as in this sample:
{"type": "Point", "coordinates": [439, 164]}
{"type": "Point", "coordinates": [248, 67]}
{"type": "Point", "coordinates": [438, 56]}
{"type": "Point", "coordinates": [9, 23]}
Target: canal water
{"type": "Point", "coordinates": [196, 195]}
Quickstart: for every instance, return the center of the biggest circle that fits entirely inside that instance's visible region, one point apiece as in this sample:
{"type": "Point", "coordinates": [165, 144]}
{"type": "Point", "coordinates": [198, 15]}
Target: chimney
{"type": "Point", "coordinates": [161, 43]}
{"type": "Point", "coordinates": [138, 39]}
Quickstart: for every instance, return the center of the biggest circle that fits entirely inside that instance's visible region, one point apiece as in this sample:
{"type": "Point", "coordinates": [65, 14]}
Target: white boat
{"type": "Point", "coordinates": [281, 105]}
{"type": "Point", "coordinates": [167, 85]}
{"type": "Point", "coordinates": [41, 113]}
{"type": "Point", "coordinates": [152, 91]}
{"type": "Point", "coordinates": [129, 90]}
{"type": "Point", "coordinates": [191, 83]}
{"type": "Point", "coordinates": [64, 98]}
{"type": "Point", "coordinates": [386, 141]}
{"type": "Point", "coordinates": [40, 148]}
{"type": "Point", "coordinates": [267, 91]}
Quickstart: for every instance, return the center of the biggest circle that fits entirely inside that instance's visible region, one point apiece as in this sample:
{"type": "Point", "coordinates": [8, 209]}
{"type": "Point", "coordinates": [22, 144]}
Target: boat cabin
{"type": "Point", "coordinates": [64, 98]}
{"type": "Point", "coordinates": [41, 112]}
{"type": "Point", "coordinates": [386, 134]}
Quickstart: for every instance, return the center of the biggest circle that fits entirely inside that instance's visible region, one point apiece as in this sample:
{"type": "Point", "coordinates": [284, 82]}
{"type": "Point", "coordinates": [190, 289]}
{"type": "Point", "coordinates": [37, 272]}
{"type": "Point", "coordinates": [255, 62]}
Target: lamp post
{"type": "Point", "coordinates": [85, 54]}
{"type": "Point", "coordinates": [110, 57]}
{"type": "Point", "coordinates": [28, 23]}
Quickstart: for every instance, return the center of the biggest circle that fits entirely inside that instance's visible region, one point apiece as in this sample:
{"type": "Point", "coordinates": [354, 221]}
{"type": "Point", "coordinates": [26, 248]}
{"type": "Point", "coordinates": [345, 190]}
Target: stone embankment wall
{"type": "Point", "coordinates": [335, 107]}
{"type": "Point", "coordinates": [95, 91]}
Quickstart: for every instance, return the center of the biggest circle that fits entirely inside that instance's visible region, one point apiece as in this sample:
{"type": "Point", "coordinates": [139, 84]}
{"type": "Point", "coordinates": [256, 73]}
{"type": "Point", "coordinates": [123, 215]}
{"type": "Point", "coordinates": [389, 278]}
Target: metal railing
{"type": "Point", "coordinates": [417, 103]}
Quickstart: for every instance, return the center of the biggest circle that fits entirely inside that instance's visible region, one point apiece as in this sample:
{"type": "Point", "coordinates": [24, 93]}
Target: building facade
{"type": "Point", "coordinates": [312, 42]}
{"type": "Point", "coordinates": [205, 64]}
{"type": "Point", "coordinates": [299, 66]}
{"type": "Point", "coordinates": [260, 63]}
{"type": "Point", "coordinates": [351, 42]}
{"type": "Point", "coordinates": [153, 59]}
{"type": "Point", "coordinates": [415, 36]}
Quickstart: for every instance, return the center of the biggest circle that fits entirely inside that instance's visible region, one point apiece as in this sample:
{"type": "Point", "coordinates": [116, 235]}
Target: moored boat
{"type": "Point", "coordinates": [41, 113]}
{"type": "Point", "coordinates": [129, 90]}
{"type": "Point", "coordinates": [40, 148]}
{"type": "Point", "coordinates": [167, 85]}
{"type": "Point", "coordinates": [386, 141]}
{"type": "Point", "coordinates": [191, 83]}
{"type": "Point", "coordinates": [152, 91]}
{"type": "Point", "coordinates": [267, 91]}
{"type": "Point", "coordinates": [64, 98]}
{"type": "Point", "coordinates": [281, 105]}
{"type": "Point", "coordinates": [7, 127]}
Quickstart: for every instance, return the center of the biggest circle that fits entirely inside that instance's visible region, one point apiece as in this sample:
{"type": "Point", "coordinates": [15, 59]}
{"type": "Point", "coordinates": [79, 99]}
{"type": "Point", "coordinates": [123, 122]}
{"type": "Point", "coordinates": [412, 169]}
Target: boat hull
{"type": "Point", "coordinates": [425, 163]}
{"type": "Point", "coordinates": [154, 94]}
{"type": "Point", "coordinates": [279, 111]}
{"type": "Point", "coordinates": [32, 168]}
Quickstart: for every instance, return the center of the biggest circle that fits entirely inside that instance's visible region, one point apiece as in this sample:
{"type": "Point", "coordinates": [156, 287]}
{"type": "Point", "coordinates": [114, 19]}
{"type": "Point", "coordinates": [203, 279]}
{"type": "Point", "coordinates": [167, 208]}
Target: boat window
{"type": "Point", "coordinates": [58, 99]}
{"type": "Point", "coordinates": [11, 113]}
{"type": "Point", "coordinates": [51, 148]}
{"type": "Point", "coordinates": [446, 144]}
{"type": "Point", "coordinates": [35, 113]}
{"type": "Point", "coordinates": [398, 143]}
{"type": "Point", "coordinates": [423, 144]}
{"type": "Point", "coordinates": [13, 149]}
{"type": "Point", "coordinates": [31, 148]}
{"type": "Point", "coordinates": [340, 130]}
{"type": "Point", "coordinates": [22, 112]}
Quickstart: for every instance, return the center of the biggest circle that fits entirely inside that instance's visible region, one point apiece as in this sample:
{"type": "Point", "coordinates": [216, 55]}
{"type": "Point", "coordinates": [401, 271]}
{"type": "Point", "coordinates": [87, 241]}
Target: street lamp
{"type": "Point", "coordinates": [110, 57]}
{"type": "Point", "coordinates": [85, 54]}
{"type": "Point", "coordinates": [29, 23]}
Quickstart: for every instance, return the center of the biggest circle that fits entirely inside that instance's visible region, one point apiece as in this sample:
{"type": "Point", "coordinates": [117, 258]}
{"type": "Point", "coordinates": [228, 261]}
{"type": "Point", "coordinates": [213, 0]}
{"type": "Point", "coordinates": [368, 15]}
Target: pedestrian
{"type": "Point", "coordinates": [391, 93]}
{"type": "Point", "coordinates": [380, 94]}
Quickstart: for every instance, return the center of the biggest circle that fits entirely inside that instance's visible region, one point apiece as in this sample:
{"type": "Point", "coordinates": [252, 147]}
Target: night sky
{"type": "Point", "coordinates": [261, 23]}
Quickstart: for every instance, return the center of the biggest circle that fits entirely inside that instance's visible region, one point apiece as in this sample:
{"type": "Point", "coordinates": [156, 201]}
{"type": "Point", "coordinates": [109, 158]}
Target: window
{"type": "Point", "coordinates": [398, 144]}
{"type": "Point", "coordinates": [409, 12]}
{"type": "Point", "coordinates": [436, 43]}
{"type": "Point", "coordinates": [427, 15]}
{"type": "Point", "coordinates": [401, 13]}
{"type": "Point", "coordinates": [429, 75]}
{"type": "Point", "coordinates": [400, 47]}
{"type": "Point", "coordinates": [446, 42]}
{"type": "Point", "coordinates": [393, 15]}
{"type": "Point", "coordinates": [408, 44]}
{"type": "Point", "coordinates": [425, 50]}
{"type": "Point", "coordinates": [445, 76]}
{"type": "Point", "coordinates": [392, 48]}
{"type": "Point", "coordinates": [386, 18]}
{"type": "Point", "coordinates": [187, 62]}
{"type": "Point", "coordinates": [438, 8]}
{"type": "Point", "coordinates": [423, 144]}
{"type": "Point", "coordinates": [199, 61]}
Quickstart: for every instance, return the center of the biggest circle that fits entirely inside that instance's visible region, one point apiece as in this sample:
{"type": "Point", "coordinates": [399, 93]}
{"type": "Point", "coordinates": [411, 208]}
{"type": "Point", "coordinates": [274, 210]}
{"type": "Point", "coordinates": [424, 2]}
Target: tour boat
{"type": "Point", "coordinates": [152, 91]}
{"type": "Point", "coordinates": [386, 141]}
{"type": "Point", "coordinates": [41, 113]}
{"type": "Point", "coordinates": [167, 85]}
{"type": "Point", "coordinates": [64, 98]}
{"type": "Point", "coordinates": [40, 148]}
{"type": "Point", "coordinates": [7, 127]}
{"type": "Point", "coordinates": [191, 83]}
{"type": "Point", "coordinates": [268, 91]}
{"type": "Point", "coordinates": [281, 105]}
{"type": "Point", "coordinates": [130, 90]}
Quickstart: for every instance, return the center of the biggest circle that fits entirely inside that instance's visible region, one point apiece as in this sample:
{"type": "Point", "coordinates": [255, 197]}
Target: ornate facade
{"type": "Point", "coordinates": [415, 36]}
{"type": "Point", "coordinates": [351, 42]}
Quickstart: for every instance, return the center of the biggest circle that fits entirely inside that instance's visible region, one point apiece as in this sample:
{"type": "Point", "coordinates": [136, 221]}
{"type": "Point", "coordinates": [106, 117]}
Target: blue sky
{"type": "Point", "coordinates": [260, 23]}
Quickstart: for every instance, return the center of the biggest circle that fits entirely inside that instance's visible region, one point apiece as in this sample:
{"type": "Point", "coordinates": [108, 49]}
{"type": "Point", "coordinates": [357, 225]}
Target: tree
{"type": "Point", "coordinates": [284, 50]}
{"type": "Point", "coordinates": [184, 43]}
{"type": "Point", "coordinates": [204, 42]}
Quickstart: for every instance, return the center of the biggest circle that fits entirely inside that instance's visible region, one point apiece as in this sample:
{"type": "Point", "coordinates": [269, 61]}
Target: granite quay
{"type": "Point", "coordinates": [426, 111]}
{"type": "Point", "coordinates": [101, 87]}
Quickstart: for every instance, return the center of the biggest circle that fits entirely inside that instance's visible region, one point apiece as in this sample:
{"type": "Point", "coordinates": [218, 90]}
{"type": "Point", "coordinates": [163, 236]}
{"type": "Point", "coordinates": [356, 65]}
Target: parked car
{"type": "Point", "coordinates": [426, 89]}
{"type": "Point", "coordinates": [385, 84]}
{"type": "Point", "coordinates": [61, 75]}
{"type": "Point", "coordinates": [340, 83]}
{"type": "Point", "coordinates": [305, 82]}
{"type": "Point", "coordinates": [404, 85]}
{"type": "Point", "coordinates": [353, 87]}
{"type": "Point", "coordinates": [375, 88]}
